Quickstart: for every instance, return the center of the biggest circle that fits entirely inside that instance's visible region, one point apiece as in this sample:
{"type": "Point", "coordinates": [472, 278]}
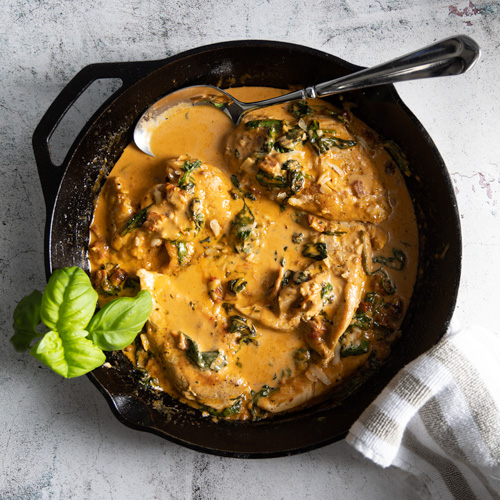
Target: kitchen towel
{"type": "Point", "coordinates": [439, 419]}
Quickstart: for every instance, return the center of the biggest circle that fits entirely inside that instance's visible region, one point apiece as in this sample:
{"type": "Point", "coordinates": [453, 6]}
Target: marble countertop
{"type": "Point", "coordinates": [58, 437]}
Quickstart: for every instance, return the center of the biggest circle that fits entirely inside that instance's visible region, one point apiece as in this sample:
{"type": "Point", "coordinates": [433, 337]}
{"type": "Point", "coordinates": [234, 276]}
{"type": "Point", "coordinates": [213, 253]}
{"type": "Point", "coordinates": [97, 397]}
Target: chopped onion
{"type": "Point", "coordinates": [215, 227]}
{"type": "Point", "coordinates": [319, 374]}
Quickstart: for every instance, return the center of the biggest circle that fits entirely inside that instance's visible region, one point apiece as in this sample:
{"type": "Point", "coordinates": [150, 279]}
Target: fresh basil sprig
{"type": "Point", "coordinates": [77, 337]}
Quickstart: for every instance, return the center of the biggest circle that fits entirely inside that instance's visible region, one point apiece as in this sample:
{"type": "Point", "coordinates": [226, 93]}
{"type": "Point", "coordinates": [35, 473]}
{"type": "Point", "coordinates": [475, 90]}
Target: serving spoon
{"type": "Point", "coordinates": [451, 56]}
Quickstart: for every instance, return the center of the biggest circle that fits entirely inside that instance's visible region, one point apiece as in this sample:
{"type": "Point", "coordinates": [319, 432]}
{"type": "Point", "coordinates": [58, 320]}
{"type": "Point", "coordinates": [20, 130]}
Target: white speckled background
{"type": "Point", "coordinates": [58, 438]}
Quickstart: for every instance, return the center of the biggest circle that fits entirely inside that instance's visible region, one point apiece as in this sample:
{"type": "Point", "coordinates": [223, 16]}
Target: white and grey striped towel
{"type": "Point", "coordinates": [439, 419]}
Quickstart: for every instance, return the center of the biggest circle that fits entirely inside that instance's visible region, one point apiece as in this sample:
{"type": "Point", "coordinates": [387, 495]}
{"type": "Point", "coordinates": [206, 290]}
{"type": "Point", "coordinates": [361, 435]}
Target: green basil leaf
{"type": "Point", "coordinates": [69, 300]}
{"type": "Point", "coordinates": [26, 319]}
{"type": "Point", "coordinates": [117, 324]}
{"type": "Point", "coordinates": [70, 354]}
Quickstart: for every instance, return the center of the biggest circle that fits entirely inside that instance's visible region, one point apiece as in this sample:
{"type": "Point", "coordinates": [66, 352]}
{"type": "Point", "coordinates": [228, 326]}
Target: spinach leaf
{"type": "Point", "coordinates": [316, 251]}
{"type": "Point", "coordinates": [236, 407]}
{"type": "Point", "coordinates": [185, 182]}
{"type": "Point", "coordinates": [397, 262]}
{"type": "Point", "coordinates": [287, 277]}
{"type": "Point", "coordinates": [182, 251]}
{"type": "Point", "coordinates": [237, 286]}
{"type": "Point", "coordinates": [266, 123]}
{"type": "Point", "coordinates": [136, 221]}
{"type": "Point", "coordinates": [322, 140]}
{"type": "Point", "coordinates": [295, 180]}
{"type": "Point", "coordinates": [271, 181]}
{"type": "Point", "coordinates": [26, 319]}
{"type": "Point", "coordinates": [241, 229]}
{"type": "Point", "coordinates": [355, 349]}
{"type": "Point", "coordinates": [265, 391]}
{"type": "Point", "coordinates": [117, 324]}
{"type": "Point", "coordinates": [386, 282]}
{"type": "Point", "coordinates": [244, 328]}
{"type": "Point", "coordinates": [274, 128]}
{"type": "Point", "coordinates": [324, 143]}
{"type": "Point", "coordinates": [208, 360]}
{"type": "Point", "coordinates": [361, 320]}
{"type": "Point", "coordinates": [301, 108]}
{"type": "Point", "coordinates": [68, 301]}
{"type": "Point", "coordinates": [69, 354]}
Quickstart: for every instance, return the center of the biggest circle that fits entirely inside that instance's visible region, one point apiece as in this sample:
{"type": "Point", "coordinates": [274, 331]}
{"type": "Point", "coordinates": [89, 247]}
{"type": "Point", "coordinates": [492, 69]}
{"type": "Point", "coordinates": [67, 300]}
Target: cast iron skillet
{"type": "Point", "coordinates": [71, 189]}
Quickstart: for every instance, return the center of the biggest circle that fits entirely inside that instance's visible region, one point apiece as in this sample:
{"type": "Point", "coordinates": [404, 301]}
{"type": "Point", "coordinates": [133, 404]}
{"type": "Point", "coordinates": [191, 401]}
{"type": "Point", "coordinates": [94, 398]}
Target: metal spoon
{"type": "Point", "coordinates": [451, 56]}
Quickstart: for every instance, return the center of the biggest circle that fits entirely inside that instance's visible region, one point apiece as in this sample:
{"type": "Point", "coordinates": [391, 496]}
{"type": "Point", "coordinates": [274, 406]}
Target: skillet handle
{"type": "Point", "coordinates": [51, 174]}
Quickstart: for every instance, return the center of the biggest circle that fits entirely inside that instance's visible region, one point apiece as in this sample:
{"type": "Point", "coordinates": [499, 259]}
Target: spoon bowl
{"type": "Point", "coordinates": [451, 56]}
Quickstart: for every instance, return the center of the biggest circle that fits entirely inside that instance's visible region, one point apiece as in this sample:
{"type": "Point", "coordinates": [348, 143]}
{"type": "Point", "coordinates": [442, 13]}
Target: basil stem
{"type": "Point", "coordinates": [290, 140]}
{"type": "Point", "coordinates": [326, 290]}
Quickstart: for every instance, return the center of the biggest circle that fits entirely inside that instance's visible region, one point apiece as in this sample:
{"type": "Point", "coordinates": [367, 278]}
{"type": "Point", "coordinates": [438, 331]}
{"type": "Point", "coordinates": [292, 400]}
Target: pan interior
{"type": "Point", "coordinates": [277, 65]}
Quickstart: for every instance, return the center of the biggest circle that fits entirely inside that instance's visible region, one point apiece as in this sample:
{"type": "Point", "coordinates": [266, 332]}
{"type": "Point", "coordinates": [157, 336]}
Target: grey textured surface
{"type": "Point", "coordinates": [59, 439]}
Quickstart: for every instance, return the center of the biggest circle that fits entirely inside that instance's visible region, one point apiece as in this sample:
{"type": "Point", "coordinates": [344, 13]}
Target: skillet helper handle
{"type": "Point", "coordinates": [51, 174]}
{"type": "Point", "coordinates": [451, 56]}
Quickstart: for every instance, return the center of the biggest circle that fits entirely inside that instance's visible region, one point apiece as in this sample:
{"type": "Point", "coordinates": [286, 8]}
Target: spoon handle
{"type": "Point", "coordinates": [451, 56]}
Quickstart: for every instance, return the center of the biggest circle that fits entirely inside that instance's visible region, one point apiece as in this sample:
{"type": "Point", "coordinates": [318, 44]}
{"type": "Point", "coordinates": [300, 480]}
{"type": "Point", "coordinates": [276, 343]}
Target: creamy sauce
{"type": "Point", "coordinates": [281, 254]}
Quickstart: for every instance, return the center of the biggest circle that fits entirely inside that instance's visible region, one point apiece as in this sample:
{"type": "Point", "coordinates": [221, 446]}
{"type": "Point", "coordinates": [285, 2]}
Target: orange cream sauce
{"type": "Point", "coordinates": [286, 353]}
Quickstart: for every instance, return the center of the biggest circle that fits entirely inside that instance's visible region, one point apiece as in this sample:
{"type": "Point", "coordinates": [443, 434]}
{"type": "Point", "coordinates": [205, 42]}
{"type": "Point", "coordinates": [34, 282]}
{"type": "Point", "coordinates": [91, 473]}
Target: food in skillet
{"type": "Point", "coordinates": [280, 254]}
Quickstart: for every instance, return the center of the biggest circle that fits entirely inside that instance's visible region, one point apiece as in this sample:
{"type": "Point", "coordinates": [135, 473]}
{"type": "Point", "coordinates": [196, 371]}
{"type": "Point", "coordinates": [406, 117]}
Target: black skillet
{"type": "Point", "coordinates": [71, 189]}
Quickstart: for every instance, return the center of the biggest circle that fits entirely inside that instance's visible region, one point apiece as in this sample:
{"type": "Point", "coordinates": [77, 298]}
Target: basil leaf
{"type": "Point", "coordinates": [26, 318]}
{"type": "Point", "coordinates": [70, 354]}
{"type": "Point", "coordinates": [117, 324]}
{"type": "Point", "coordinates": [69, 300]}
